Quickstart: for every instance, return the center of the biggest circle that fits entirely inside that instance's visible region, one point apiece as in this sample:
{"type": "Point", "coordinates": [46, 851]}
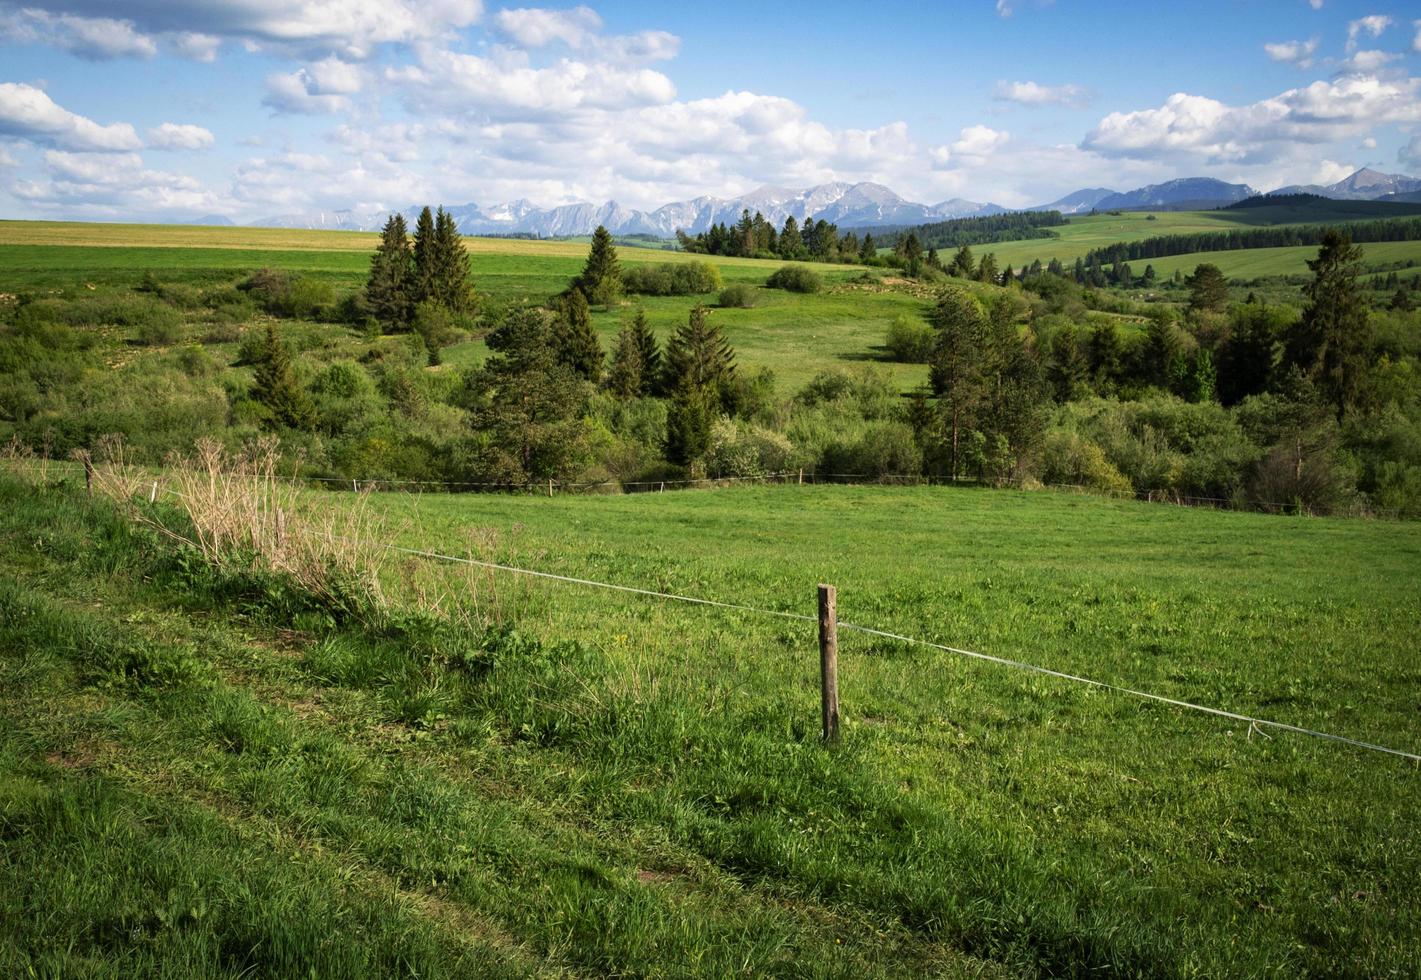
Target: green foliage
{"type": "Point", "coordinates": [283, 294]}
{"type": "Point", "coordinates": [738, 296]}
{"type": "Point", "coordinates": [1208, 290]}
{"type": "Point", "coordinates": [274, 385]}
{"type": "Point", "coordinates": [1331, 342]}
{"type": "Point", "coordinates": [671, 279]}
{"type": "Point", "coordinates": [601, 279]}
{"type": "Point", "coordinates": [628, 364]}
{"type": "Point", "coordinates": [574, 339]}
{"type": "Point", "coordinates": [796, 279]}
{"type": "Point", "coordinates": [698, 357]}
{"type": "Point", "coordinates": [390, 287]}
{"type": "Point", "coordinates": [909, 340]}
{"type": "Point", "coordinates": [688, 424]}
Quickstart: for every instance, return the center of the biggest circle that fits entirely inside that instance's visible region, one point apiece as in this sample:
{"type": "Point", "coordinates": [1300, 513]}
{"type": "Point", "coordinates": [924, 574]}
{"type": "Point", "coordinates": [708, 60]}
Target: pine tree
{"type": "Point", "coordinates": [791, 242]}
{"type": "Point", "coordinates": [1069, 366]}
{"type": "Point", "coordinates": [426, 258]}
{"type": "Point", "coordinates": [963, 264]}
{"type": "Point", "coordinates": [601, 279]}
{"type": "Point", "coordinates": [911, 251]}
{"type": "Point", "coordinates": [650, 354]}
{"type": "Point", "coordinates": [625, 377]}
{"type": "Point", "coordinates": [274, 384]}
{"type": "Point", "coordinates": [987, 271]}
{"type": "Point", "coordinates": [688, 425]}
{"type": "Point", "coordinates": [959, 360]}
{"type": "Point", "coordinates": [391, 275]}
{"type": "Point", "coordinates": [1332, 342]}
{"type": "Point", "coordinates": [869, 248]}
{"type": "Point", "coordinates": [574, 340]}
{"type": "Point", "coordinates": [1208, 289]}
{"type": "Point", "coordinates": [698, 356]}
{"type": "Point", "coordinates": [1106, 353]}
{"type": "Point", "coordinates": [450, 279]}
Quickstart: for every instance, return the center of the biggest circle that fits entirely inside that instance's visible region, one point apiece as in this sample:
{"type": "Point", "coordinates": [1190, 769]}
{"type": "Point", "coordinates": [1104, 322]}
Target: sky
{"type": "Point", "coordinates": [247, 109]}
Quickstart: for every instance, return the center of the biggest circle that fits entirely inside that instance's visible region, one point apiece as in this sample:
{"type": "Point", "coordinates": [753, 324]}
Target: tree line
{"type": "Point", "coordinates": [986, 230]}
{"type": "Point", "coordinates": [1382, 230]}
{"type": "Point", "coordinates": [755, 237]}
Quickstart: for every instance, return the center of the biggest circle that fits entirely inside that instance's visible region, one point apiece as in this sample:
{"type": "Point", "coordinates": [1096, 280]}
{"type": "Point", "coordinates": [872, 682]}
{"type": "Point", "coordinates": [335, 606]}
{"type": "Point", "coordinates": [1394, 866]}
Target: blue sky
{"type": "Point", "coordinates": [156, 109]}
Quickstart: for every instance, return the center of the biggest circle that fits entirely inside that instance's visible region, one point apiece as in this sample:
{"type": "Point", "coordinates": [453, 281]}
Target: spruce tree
{"type": "Point", "coordinates": [574, 340]}
{"type": "Point", "coordinates": [959, 359]}
{"type": "Point", "coordinates": [1332, 342]}
{"type": "Point", "coordinates": [869, 248]}
{"type": "Point", "coordinates": [912, 254]}
{"type": "Point", "coordinates": [688, 425]}
{"type": "Point", "coordinates": [625, 377]}
{"type": "Point", "coordinates": [391, 276]}
{"type": "Point", "coordinates": [1208, 289]}
{"type": "Point", "coordinates": [963, 264]}
{"type": "Point", "coordinates": [791, 242]}
{"type": "Point", "coordinates": [987, 270]}
{"type": "Point", "coordinates": [426, 258]}
{"type": "Point", "coordinates": [601, 278]}
{"type": "Point", "coordinates": [274, 384]}
{"type": "Point", "coordinates": [450, 263]}
{"type": "Point", "coordinates": [698, 356]}
{"type": "Point", "coordinates": [650, 354]}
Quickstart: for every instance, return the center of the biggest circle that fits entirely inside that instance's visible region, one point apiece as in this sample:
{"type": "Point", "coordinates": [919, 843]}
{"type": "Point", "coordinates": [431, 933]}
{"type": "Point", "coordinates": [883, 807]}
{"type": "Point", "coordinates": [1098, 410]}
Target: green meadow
{"type": "Point", "coordinates": [206, 774]}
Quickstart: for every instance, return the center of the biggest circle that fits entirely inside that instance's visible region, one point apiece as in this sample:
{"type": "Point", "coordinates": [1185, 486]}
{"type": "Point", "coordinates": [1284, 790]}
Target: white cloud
{"type": "Point", "coordinates": [91, 38]}
{"type": "Point", "coordinates": [1297, 53]}
{"type": "Point", "coordinates": [112, 185]}
{"type": "Point", "coordinates": [29, 113]}
{"type": "Point", "coordinates": [322, 87]}
{"type": "Point", "coordinates": [1330, 172]}
{"type": "Point", "coordinates": [1315, 4]}
{"type": "Point", "coordinates": [979, 142]}
{"type": "Point", "coordinates": [581, 29]}
{"type": "Point", "coordinates": [1371, 26]}
{"type": "Point", "coordinates": [351, 27]}
{"type": "Point", "coordinates": [195, 46]}
{"type": "Point", "coordinates": [1032, 94]}
{"type": "Point", "coordinates": [1364, 62]}
{"type": "Point", "coordinates": [1318, 113]}
{"type": "Point", "coordinates": [1410, 154]}
{"type": "Point", "coordinates": [6, 160]}
{"type": "Point", "coordinates": [1369, 143]}
{"type": "Point", "coordinates": [179, 136]}
{"type": "Point", "coordinates": [1416, 41]}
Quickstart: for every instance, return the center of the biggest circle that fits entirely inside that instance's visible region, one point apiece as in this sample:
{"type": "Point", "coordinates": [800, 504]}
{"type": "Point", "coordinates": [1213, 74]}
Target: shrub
{"type": "Point", "coordinates": [163, 326]}
{"type": "Point", "coordinates": [739, 296]}
{"type": "Point", "coordinates": [909, 340]}
{"type": "Point", "coordinates": [1067, 457]}
{"type": "Point", "coordinates": [796, 279]}
{"type": "Point", "coordinates": [671, 279]}
{"type": "Point", "coordinates": [282, 294]}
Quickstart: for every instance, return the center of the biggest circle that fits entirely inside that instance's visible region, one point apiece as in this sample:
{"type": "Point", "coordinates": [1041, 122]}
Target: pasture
{"type": "Point", "coordinates": [635, 786]}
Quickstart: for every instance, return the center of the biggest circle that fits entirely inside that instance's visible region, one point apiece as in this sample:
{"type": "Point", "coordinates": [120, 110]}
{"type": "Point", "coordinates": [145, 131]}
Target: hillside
{"type": "Point", "coordinates": [579, 780]}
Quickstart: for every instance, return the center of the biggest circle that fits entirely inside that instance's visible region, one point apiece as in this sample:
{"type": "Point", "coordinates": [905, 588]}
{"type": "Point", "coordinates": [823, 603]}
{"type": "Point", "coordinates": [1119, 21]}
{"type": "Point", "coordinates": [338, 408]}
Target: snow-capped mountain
{"type": "Point", "coordinates": [1364, 185]}
{"type": "Point", "coordinates": [1077, 202]}
{"type": "Point", "coordinates": [1184, 194]}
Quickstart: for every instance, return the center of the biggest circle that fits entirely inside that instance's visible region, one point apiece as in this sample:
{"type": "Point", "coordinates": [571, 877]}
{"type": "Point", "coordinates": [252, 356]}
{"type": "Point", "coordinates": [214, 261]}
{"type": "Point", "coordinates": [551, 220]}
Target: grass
{"type": "Point", "coordinates": [1097, 231]}
{"type": "Point", "coordinates": [612, 784]}
{"type": "Point", "coordinates": [794, 335]}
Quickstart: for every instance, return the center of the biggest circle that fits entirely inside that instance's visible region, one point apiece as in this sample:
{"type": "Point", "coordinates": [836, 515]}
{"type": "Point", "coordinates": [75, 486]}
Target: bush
{"type": "Point", "coordinates": [739, 296]}
{"type": "Point", "coordinates": [909, 340]}
{"type": "Point", "coordinates": [282, 294]}
{"type": "Point", "coordinates": [1068, 458]}
{"type": "Point", "coordinates": [671, 279]}
{"type": "Point", "coordinates": [796, 279]}
{"type": "Point", "coordinates": [883, 448]}
{"type": "Point", "coordinates": [163, 326]}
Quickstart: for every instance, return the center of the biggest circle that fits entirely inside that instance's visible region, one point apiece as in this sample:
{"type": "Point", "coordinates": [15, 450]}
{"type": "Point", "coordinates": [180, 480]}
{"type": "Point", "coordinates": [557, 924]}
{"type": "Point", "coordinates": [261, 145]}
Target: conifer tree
{"type": "Point", "coordinates": [601, 278]}
{"type": "Point", "coordinates": [1332, 342]}
{"type": "Point", "coordinates": [688, 425]}
{"type": "Point", "coordinates": [869, 248]}
{"type": "Point", "coordinates": [650, 354]}
{"type": "Point", "coordinates": [911, 251]}
{"type": "Point", "coordinates": [426, 258]}
{"type": "Point", "coordinates": [1208, 289]}
{"type": "Point", "coordinates": [450, 280]}
{"type": "Point", "coordinates": [987, 270]}
{"type": "Point", "coordinates": [791, 242]}
{"type": "Point", "coordinates": [274, 384]}
{"type": "Point", "coordinates": [963, 264]}
{"type": "Point", "coordinates": [625, 377]}
{"type": "Point", "coordinates": [574, 340]}
{"type": "Point", "coordinates": [958, 363]}
{"type": "Point", "coordinates": [698, 356]}
{"type": "Point", "coordinates": [391, 275]}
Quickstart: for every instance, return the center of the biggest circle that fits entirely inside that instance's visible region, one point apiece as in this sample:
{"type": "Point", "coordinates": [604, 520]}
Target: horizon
{"type": "Point", "coordinates": [135, 111]}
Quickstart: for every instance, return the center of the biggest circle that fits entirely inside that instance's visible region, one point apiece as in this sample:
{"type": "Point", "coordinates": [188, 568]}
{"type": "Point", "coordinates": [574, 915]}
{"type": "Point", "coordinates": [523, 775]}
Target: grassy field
{"type": "Point", "coordinates": [794, 335]}
{"type": "Point", "coordinates": [633, 786]}
{"type": "Point", "coordinates": [1097, 231]}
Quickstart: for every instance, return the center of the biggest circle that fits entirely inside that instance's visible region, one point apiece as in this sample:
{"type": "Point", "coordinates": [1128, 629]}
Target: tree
{"type": "Point", "coordinates": [1069, 367]}
{"type": "Point", "coordinates": [791, 243]}
{"type": "Point", "coordinates": [625, 377]}
{"type": "Point", "coordinates": [574, 340]}
{"type": "Point", "coordinates": [869, 248]}
{"type": "Point", "coordinates": [650, 354]}
{"type": "Point", "coordinates": [449, 280]}
{"type": "Point", "coordinates": [963, 264]}
{"type": "Point", "coordinates": [426, 258]}
{"type": "Point", "coordinates": [1014, 410]}
{"type": "Point", "coordinates": [1161, 351]}
{"type": "Point", "coordinates": [688, 426]}
{"type": "Point", "coordinates": [524, 404]}
{"type": "Point", "coordinates": [911, 251]}
{"type": "Point", "coordinates": [958, 361]}
{"type": "Point", "coordinates": [987, 270]}
{"type": "Point", "coordinates": [1249, 357]}
{"type": "Point", "coordinates": [1208, 289]}
{"type": "Point", "coordinates": [601, 278]}
{"type": "Point", "coordinates": [391, 275]}
{"type": "Point", "coordinates": [1332, 342]}
{"type": "Point", "coordinates": [698, 356]}
{"type": "Point", "coordinates": [274, 385]}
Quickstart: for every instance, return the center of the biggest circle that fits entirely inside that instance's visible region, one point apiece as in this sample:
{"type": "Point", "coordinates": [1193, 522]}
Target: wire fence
{"type": "Point", "coordinates": [1254, 722]}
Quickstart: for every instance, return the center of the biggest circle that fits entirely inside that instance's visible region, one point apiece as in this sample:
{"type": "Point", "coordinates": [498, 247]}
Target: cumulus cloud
{"type": "Point", "coordinates": [1364, 62]}
{"type": "Point", "coordinates": [29, 113]}
{"type": "Point", "coordinates": [1330, 172]}
{"type": "Point", "coordinates": [196, 46]}
{"type": "Point", "coordinates": [1371, 26]}
{"type": "Point", "coordinates": [112, 184]}
{"type": "Point", "coordinates": [1298, 53]}
{"type": "Point", "coordinates": [1318, 113]}
{"type": "Point", "coordinates": [979, 141]}
{"type": "Point", "coordinates": [581, 29]}
{"type": "Point", "coordinates": [1410, 155]}
{"type": "Point", "coordinates": [350, 27]}
{"type": "Point", "coordinates": [321, 87]}
{"type": "Point", "coordinates": [91, 38]}
{"type": "Point", "coordinates": [1032, 94]}
{"type": "Point", "coordinates": [179, 136]}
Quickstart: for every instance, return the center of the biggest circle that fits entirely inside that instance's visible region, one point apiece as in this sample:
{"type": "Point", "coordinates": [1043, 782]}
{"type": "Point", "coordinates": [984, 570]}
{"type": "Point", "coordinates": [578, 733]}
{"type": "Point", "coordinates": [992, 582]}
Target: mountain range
{"type": "Point", "coordinates": [861, 205]}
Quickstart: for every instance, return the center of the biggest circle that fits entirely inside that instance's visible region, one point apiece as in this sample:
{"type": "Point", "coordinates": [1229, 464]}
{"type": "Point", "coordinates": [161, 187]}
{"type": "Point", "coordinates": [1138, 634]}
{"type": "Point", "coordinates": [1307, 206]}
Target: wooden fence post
{"type": "Point", "coordinates": [829, 662]}
{"type": "Point", "coordinates": [88, 476]}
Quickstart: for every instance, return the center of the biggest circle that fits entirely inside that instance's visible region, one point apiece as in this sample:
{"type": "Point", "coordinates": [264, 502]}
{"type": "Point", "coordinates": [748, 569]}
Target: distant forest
{"type": "Point", "coordinates": [1009, 227]}
{"type": "Point", "coordinates": [1385, 230]}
